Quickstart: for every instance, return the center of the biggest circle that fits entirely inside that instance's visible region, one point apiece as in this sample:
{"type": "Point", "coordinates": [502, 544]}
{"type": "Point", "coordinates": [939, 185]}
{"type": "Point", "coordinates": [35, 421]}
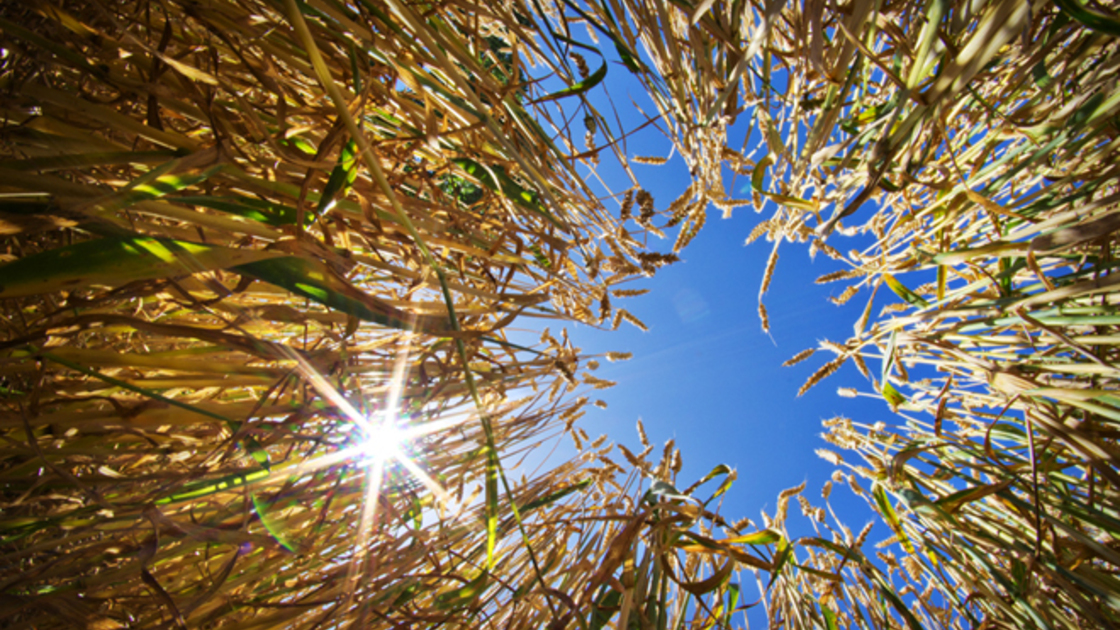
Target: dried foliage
{"type": "Point", "coordinates": [235, 229]}
{"type": "Point", "coordinates": [975, 144]}
{"type": "Point", "coordinates": [242, 235]}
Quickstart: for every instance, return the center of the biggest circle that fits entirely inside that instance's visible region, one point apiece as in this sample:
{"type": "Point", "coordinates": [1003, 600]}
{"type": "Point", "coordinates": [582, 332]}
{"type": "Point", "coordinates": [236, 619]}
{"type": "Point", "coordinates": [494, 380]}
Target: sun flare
{"type": "Point", "coordinates": [382, 441]}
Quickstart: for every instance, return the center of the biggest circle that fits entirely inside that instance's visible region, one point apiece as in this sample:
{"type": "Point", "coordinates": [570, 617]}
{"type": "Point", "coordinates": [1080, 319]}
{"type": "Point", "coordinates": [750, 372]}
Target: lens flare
{"type": "Point", "coordinates": [378, 443]}
{"type": "Point", "coordinates": [382, 441]}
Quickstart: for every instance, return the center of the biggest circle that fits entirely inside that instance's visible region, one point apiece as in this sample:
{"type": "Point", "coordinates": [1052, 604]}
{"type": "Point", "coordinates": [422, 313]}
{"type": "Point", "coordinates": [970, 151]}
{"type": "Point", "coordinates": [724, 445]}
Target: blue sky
{"type": "Point", "coordinates": [706, 374]}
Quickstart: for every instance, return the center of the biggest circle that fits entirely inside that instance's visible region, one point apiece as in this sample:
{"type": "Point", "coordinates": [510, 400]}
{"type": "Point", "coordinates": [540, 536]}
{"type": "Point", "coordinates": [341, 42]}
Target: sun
{"type": "Point", "coordinates": [378, 443]}
{"type": "Point", "coordinates": [382, 440]}
{"type": "Point", "coordinates": [388, 441]}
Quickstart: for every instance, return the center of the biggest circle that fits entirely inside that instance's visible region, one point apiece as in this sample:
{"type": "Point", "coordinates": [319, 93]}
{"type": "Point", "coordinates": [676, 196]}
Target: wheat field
{"type": "Point", "coordinates": [247, 245]}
